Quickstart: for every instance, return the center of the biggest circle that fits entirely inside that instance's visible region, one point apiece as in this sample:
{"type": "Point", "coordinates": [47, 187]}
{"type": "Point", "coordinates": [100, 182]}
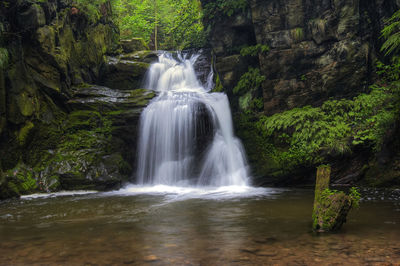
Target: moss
{"type": "Point", "coordinates": [218, 85]}
{"type": "Point", "coordinates": [83, 119]}
{"type": "Point", "coordinates": [331, 211]}
{"type": "Point", "coordinates": [3, 58]}
{"type": "Point", "coordinates": [21, 180]}
{"type": "Point", "coordinates": [24, 132]}
{"type": "Point", "coordinates": [330, 206]}
{"type": "Point", "coordinates": [25, 104]}
{"type": "Point", "coordinates": [297, 34]}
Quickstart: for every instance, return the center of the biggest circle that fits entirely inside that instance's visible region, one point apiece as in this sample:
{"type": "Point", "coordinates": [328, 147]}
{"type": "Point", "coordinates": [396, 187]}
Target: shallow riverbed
{"type": "Point", "coordinates": [188, 226]}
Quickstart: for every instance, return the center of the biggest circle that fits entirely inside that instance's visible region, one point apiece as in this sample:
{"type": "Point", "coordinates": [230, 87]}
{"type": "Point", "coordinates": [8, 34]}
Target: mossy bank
{"type": "Point", "coordinates": [56, 130]}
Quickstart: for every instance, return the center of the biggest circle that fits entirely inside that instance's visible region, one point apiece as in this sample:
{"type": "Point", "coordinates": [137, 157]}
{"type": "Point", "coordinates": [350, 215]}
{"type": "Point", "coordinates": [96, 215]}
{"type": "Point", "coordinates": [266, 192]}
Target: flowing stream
{"type": "Point", "coordinates": [186, 134]}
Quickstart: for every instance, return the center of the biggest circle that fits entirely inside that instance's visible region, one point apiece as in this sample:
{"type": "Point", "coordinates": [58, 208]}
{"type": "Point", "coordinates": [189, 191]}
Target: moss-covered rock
{"type": "Point", "coordinates": [63, 134]}
{"type": "Point", "coordinates": [133, 45]}
{"type": "Point", "coordinates": [20, 180]}
{"type": "Point", "coordinates": [142, 56]}
{"type": "Point", "coordinates": [123, 74]}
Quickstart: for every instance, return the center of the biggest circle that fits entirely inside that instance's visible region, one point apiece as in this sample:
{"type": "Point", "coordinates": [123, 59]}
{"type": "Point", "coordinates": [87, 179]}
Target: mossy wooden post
{"type": "Point", "coordinates": [330, 207]}
{"type": "Point", "coordinates": [322, 182]}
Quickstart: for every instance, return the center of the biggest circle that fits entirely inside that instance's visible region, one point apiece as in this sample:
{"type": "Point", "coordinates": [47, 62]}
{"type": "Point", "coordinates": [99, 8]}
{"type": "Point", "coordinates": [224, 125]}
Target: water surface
{"type": "Point", "coordinates": [187, 226]}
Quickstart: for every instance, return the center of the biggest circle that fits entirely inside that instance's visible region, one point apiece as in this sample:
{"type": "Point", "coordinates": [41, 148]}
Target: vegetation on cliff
{"type": "Point", "coordinates": [301, 138]}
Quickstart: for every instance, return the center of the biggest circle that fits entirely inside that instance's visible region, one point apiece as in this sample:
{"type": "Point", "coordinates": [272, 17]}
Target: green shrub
{"type": "Point", "coordinates": [307, 135]}
{"type": "Point", "coordinates": [252, 79]}
{"type": "Point", "coordinates": [254, 50]}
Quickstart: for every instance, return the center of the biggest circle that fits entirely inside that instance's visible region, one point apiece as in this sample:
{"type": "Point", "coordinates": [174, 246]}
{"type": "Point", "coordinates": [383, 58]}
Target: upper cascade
{"type": "Point", "coordinates": [186, 134]}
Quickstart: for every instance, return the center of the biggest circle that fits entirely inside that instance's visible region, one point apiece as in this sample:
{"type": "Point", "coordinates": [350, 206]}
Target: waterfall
{"type": "Point", "coordinates": [186, 133]}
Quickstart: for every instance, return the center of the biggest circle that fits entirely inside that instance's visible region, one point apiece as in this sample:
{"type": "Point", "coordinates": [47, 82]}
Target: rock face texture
{"type": "Point", "coordinates": [56, 130]}
{"type": "Point", "coordinates": [319, 50]}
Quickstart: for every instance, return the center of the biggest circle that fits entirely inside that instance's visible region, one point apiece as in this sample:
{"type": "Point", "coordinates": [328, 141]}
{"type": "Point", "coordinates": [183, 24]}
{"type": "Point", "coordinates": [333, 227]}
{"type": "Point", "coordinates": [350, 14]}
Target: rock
{"type": "Point", "coordinates": [133, 45]}
{"type": "Point", "coordinates": [72, 137]}
{"type": "Point", "coordinates": [318, 50]}
{"type": "Point", "coordinates": [18, 181]}
{"type": "Point", "coordinates": [123, 74]}
{"type": "Point", "coordinates": [31, 17]}
{"type": "Point", "coordinates": [151, 258]}
{"type": "Point", "coordinates": [142, 56]}
{"type": "Point", "coordinates": [96, 145]}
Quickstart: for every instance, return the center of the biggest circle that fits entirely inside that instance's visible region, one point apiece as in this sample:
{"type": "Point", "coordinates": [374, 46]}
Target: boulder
{"type": "Point", "coordinates": [122, 74]}
{"type": "Point", "coordinates": [31, 17]}
{"type": "Point", "coordinates": [133, 45]}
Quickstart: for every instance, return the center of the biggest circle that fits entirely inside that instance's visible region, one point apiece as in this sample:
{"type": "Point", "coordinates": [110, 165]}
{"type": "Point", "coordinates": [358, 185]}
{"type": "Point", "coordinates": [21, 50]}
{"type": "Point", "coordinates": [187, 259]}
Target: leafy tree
{"type": "Point", "coordinates": [168, 24]}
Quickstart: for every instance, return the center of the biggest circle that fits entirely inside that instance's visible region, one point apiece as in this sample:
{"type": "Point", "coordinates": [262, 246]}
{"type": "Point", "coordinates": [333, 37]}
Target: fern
{"type": "Point", "coordinates": [391, 33]}
{"type": "Point", "coordinates": [252, 79]}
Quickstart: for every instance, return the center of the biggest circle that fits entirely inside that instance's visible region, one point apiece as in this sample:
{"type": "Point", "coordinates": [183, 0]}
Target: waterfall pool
{"type": "Point", "coordinates": [194, 226]}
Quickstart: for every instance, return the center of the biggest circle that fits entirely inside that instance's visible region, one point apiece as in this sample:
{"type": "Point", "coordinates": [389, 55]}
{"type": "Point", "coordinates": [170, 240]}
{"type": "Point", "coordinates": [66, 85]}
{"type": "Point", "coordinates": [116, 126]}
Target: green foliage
{"type": "Point", "coordinates": [389, 73]}
{"type": "Point", "coordinates": [391, 33]}
{"type": "Point", "coordinates": [252, 79]}
{"type": "Point", "coordinates": [21, 180]}
{"type": "Point", "coordinates": [215, 10]}
{"type": "Point", "coordinates": [177, 24]}
{"type": "Point", "coordinates": [254, 50]}
{"type": "Point", "coordinates": [355, 197]}
{"type": "Point", "coordinates": [307, 135]}
{"type": "Point", "coordinates": [90, 7]}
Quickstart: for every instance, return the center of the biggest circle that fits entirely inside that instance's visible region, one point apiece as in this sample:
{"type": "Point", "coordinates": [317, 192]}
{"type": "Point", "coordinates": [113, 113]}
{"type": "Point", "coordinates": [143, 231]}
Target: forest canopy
{"type": "Point", "coordinates": [163, 24]}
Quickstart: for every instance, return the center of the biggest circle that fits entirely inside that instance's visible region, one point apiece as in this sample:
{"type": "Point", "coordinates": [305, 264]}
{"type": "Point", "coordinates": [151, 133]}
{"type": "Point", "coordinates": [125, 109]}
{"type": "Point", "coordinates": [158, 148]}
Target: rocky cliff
{"type": "Point", "coordinates": [56, 130]}
{"type": "Point", "coordinates": [319, 51]}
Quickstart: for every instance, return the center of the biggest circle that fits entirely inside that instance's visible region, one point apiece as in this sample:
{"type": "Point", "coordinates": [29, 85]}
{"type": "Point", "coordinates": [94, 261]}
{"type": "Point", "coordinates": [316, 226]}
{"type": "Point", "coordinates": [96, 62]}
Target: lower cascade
{"type": "Point", "coordinates": [186, 134]}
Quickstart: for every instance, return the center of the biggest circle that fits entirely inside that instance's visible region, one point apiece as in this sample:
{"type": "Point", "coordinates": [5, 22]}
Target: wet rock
{"type": "Point", "coordinates": [267, 253]}
{"type": "Point", "coordinates": [250, 250]}
{"type": "Point", "coordinates": [151, 258]}
{"type": "Point", "coordinates": [123, 74]}
{"type": "Point", "coordinates": [133, 45]}
{"type": "Point", "coordinates": [141, 56]}
{"type": "Point", "coordinates": [18, 181]}
{"type": "Point", "coordinates": [31, 16]}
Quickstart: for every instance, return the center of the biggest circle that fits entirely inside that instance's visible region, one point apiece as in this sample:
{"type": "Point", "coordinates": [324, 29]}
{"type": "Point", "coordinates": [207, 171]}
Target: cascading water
{"type": "Point", "coordinates": [186, 135]}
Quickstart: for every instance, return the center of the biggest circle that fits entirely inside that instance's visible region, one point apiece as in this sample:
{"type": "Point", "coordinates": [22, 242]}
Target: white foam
{"type": "Point", "coordinates": [175, 193]}
{"type": "Point", "coordinates": [58, 194]}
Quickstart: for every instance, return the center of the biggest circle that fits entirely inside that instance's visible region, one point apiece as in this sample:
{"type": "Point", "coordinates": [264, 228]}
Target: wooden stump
{"type": "Point", "coordinates": [330, 207]}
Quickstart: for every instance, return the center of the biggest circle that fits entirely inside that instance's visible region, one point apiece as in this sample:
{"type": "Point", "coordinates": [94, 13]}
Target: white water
{"type": "Point", "coordinates": [174, 148]}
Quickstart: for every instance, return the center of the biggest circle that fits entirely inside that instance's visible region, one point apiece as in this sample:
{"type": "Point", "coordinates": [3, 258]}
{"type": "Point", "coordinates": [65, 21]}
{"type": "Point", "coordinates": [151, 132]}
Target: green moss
{"type": "Point", "coordinates": [218, 85]}
{"type": "Point", "coordinates": [3, 58]}
{"type": "Point", "coordinates": [25, 104]}
{"type": "Point", "coordinates": [331, 209]}
{"type": "Point", "coordinates": [24, 132]}
{"type": "Point", "coordinates": [21, 180]}
{"type": "Point", "coordinates": [297, 34]}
